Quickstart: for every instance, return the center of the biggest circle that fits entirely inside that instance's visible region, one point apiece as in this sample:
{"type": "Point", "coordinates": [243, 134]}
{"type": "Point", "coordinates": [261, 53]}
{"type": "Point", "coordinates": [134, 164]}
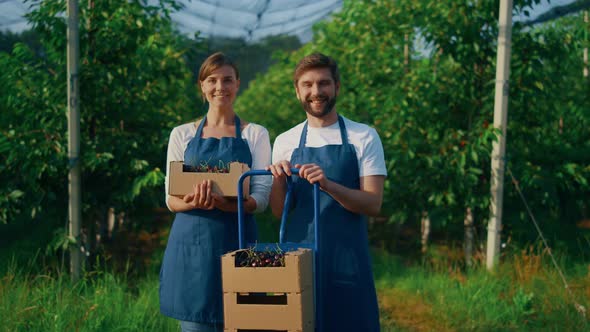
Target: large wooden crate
{"type": "Point", "coordinates": [269, 298]}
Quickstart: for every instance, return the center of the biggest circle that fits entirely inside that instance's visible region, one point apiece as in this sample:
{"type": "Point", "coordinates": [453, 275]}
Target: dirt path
{"type": "Point", "coordinates": [404, 311]}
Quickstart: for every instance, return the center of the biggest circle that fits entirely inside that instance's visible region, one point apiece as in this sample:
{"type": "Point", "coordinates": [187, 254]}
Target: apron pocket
{"type": "Point", "coordinates": [345, 267]}
{"type": "Point", "coordinates": [186, 229]}
{"type": "Point", "coordinates": [181, 276]}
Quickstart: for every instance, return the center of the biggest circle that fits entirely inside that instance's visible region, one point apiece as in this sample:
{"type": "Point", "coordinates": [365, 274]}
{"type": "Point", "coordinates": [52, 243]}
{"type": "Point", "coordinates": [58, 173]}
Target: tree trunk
{"type": "Point", "coordinates": [586, 20]}
{"type": "Point", "coordinates": [406, 53]}
{"type": "Point", "coordinates": [110, 222]}
{"type": "Point", "coordinates": [121, 219]}
{"type": "Point", "coordinates": [560, 125]}
{"type": "Point", "coordinates": [425, 226]}
{"type": "Point", "coordinates": [469, 236]}
{"type": "Point", "coordinates": [437, 61]}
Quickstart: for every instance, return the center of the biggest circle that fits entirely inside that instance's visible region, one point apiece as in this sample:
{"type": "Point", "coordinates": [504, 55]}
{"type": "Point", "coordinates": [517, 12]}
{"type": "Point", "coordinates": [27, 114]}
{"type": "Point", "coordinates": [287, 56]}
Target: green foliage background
{"type": "Point", "coordinates": [135, 87]}
{"type": "Point", "coordinates": [434, 108]}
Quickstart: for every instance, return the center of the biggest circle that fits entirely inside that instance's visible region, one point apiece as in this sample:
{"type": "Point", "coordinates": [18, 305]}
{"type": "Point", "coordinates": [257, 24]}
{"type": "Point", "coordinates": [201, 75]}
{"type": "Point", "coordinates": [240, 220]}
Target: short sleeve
{"type": "Point", "coordinates": [259, 143]}
{"type": "Point", "coordinates": [175, 153]}
{"type": "Point", "coordinates": [373, 160]}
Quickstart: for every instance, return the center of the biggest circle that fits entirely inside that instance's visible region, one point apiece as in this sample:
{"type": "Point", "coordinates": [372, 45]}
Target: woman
{"type": "Point", "coordinates": [205, 226]}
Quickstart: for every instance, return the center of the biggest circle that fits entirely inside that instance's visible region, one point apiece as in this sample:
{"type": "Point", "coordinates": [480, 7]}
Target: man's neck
{"type": "Point", "coordinates": [325, 121]}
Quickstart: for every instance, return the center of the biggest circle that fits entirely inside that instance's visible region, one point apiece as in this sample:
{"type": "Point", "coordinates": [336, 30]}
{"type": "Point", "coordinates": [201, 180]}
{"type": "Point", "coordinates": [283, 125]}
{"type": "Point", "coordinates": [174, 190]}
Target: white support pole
{"type": "Point", "coordinates": [500, 119]}
{"type": "Point", "coordinates": [73, 51]}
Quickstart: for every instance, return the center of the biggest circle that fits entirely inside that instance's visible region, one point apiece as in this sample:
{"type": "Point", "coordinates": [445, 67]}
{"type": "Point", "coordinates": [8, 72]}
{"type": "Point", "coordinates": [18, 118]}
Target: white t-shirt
{"type": "Point", "coordinates": [259, 143]}
{"type": "Point", "coordinates": [366, 142]}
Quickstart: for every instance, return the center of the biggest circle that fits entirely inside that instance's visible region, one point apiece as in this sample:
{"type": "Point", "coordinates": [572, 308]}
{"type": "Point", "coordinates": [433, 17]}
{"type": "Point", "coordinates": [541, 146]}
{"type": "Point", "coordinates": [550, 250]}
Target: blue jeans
{"type": "Point", "coordinates": [200, 327]}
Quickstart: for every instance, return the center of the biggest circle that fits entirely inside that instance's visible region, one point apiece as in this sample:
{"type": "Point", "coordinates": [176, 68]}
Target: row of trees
{"type": "Point", "coordinates": [137, 80]}
{"type": "Point", "coordinates": [422, 73]}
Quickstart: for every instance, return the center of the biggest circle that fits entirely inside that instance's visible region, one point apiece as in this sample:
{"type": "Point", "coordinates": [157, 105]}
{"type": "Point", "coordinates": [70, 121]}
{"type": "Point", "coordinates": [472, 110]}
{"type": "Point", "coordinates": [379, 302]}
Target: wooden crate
{"type": "Point", "coordinates": [269, 298]}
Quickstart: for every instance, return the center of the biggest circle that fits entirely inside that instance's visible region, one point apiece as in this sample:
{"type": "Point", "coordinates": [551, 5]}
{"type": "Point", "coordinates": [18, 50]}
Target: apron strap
{"type": "Point", "coordinates": [199, 132]}
{"type": "Point", "coordinates": [343, 134]}
{"type": "Point", "coordinates": [202, 124]}
{"type": "Point", "coordinates": [238, 127]}
{"type": "Point", "coordinates": [303, 137]}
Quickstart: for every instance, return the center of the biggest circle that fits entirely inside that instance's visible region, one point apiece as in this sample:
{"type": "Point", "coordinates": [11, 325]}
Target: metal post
{"type": "Point", "coordinates": [500, 119]}
{"type": "Point", "coordinates": [73, 51]}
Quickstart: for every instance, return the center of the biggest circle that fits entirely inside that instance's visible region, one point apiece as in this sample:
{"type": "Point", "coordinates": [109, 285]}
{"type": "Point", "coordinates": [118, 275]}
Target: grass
{"type": "Point", "coordinates": [101, 301]}
{"type": "Point", "coordinates": [524, 294]}
{"type": "Point", "coordinates": [430, 293]}
{"type": "Point", "coordinates": [412, 298]}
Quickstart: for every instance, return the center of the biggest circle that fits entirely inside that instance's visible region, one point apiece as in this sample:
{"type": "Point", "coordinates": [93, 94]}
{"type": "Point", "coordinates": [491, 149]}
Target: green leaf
{"type": "Point", "coordinates": [476, 171]}
{"type": "Point", "coordinates": [16, 194]}
{"type": "Point", "coordinates": [474, 156]}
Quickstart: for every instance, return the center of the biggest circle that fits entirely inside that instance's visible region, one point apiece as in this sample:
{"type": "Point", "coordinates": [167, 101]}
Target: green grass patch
{"type": "Point", "coordinates": [431, 293]}
{"type": "Point", "coordinates": [515, 297]}
{"type": "Point", "coordinates": [101, 301]}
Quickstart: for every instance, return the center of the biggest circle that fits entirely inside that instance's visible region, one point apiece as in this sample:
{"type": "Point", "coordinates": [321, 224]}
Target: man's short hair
{"type": "Point", "coordinates": [313, 61]}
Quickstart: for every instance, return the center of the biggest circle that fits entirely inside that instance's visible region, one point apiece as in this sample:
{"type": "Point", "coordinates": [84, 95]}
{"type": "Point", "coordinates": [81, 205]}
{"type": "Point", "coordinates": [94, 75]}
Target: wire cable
{"type": "Point", "coordinates": [579, 308]}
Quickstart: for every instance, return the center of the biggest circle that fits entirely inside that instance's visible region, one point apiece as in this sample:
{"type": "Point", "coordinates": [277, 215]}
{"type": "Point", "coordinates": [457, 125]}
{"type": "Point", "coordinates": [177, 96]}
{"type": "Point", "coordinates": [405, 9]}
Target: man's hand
{"type": "Point", "coordinates": [281, 169]}
{"type": "Point", "coordinates": [313, 173]}
{"type": "Point", "coordinates": [201, 197]}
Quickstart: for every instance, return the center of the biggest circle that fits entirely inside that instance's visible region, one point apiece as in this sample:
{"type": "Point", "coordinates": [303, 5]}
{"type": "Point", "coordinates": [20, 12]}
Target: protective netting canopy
{"type": "Point", "coordinates": [255, 19]}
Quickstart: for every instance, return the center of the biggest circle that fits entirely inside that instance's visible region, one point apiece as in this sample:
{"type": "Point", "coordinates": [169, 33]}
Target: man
{"type": "Point", "coordinates": [346, 159]}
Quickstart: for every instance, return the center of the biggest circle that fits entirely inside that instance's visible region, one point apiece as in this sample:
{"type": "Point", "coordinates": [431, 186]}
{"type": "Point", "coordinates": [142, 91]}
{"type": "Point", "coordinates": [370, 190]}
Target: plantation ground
{"type": "Point", "coordinates": [429, 293]}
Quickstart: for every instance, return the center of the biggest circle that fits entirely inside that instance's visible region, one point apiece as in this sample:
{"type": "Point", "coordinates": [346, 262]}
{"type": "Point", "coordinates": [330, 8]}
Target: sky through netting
{"type": "Point", "coordinates": [252, 20]}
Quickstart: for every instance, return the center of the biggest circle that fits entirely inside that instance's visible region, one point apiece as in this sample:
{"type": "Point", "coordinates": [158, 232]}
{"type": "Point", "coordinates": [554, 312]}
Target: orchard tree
{"type": "Point", "coordinates": [135, 86]}
{"type": "Point", "coordinates": [548, 148]}
{"type": "Point", "coordinates": [422, 73]}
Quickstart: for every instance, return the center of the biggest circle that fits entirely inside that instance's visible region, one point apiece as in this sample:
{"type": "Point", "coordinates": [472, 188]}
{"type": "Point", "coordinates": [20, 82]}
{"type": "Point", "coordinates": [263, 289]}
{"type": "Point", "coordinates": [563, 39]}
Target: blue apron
{"type": "Point", "coordinates": [190, 277]}
{"type": "Point", "coordinates": [347, 289]}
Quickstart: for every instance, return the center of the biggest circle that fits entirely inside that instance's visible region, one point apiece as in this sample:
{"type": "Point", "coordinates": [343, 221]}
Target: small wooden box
{"type": "Point", "coordinates": [226, 184]}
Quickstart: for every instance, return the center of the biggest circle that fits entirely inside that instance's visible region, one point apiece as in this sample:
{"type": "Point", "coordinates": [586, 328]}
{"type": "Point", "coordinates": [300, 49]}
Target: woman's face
{"type": "Point", "coordinates": [221, 87]}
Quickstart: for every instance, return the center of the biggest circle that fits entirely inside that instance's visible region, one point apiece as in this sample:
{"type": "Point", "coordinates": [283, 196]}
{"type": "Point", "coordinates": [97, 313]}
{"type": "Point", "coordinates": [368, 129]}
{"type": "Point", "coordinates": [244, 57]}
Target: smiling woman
{"type": "Point", "coordinates": [220, 87]}
{"type": "Point", "coordinates": [219, 84]}
{"type": "Point", "coordinates": [205, 225]}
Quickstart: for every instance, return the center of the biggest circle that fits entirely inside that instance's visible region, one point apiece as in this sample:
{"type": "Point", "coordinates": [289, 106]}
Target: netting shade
{"type": "Point", "coordinates": [11, 15]}
{"type": "Point", "coordinates": [247, 19]}
{"type": "Point", "coordinates": [252, 20]}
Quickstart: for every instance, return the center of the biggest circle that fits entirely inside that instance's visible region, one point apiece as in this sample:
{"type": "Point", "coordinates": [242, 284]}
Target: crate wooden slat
{"type": "Point", "coordinates": [269, 298]}
{"type": "Point", "coordinates": [293, 277]}
{"type": "Point", "coordinates": [296, 315]}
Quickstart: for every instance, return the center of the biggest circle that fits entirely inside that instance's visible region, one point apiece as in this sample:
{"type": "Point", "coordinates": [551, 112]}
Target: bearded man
{"type": "Point", "coordinates": [346, 159]}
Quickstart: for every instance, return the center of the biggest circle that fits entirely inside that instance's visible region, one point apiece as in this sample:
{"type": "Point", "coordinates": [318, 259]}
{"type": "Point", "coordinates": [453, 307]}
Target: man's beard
{"type": "Point", "coordinates": [331, 102]}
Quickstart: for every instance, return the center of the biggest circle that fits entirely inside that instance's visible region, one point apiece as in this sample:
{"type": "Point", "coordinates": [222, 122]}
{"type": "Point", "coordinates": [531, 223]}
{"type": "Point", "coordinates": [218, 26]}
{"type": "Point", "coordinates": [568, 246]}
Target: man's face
{"type": "Point", "coordinates": [317, 91]}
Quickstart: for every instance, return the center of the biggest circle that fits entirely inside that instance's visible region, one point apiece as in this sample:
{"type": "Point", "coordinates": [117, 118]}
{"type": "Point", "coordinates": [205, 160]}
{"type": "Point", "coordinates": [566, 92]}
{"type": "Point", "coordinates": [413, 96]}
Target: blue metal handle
{"type": "Point", "coordinates": [241, 202]}
{"type": "Point", "coordinates": [316, 218]}
{"type": "Point", "coordinates": [316, 206]}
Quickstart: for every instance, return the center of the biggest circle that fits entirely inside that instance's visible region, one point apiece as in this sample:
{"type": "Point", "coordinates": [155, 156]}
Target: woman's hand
{"type": "Point", "coordinates": [201, 197]}
{"type": "Point", "coordinates": [223, 203]}
{"type": "Point", "coordinates": [231, 205]}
